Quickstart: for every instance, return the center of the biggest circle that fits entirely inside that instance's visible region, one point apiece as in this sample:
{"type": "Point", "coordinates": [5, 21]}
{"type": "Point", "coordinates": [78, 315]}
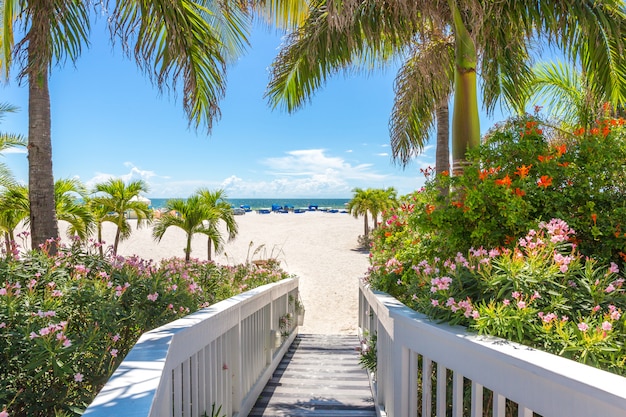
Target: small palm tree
{"type": "Point", "coordinates": [14, 208]}
{"type": "Point", "coordinates": [218, 210]}
{"type": "Point", "coordinates": [100, 214]}
{"type": "Point", "coordinates": [69, 209]}
{"type": "Point", "coordinates": [361, 205]}
{"type": "Point", "coordinates": [188, 215]}
{"type": "Point", "coordinates": [118, 199]}
{"type": "Point", "coordinates": [383, 200]}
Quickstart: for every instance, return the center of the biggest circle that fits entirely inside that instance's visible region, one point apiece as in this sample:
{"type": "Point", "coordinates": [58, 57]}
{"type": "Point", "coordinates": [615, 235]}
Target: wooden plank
{"type": "Point", "coordinates": [320, 376]}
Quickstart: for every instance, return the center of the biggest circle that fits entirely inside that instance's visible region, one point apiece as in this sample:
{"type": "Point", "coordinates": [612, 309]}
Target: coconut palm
{"type": "Point", "coordinates": [346, 34]}
{"type": "Point", "coordinates": [218, 210]}
{"type": "Point", "coordinates": [188, 215]}
{"type": "Point", "coordinates": [119, 200]}
{"type": "Point", "coordinates": [177, 43]}
{"type": "Point", "coordinates": [384, 199]}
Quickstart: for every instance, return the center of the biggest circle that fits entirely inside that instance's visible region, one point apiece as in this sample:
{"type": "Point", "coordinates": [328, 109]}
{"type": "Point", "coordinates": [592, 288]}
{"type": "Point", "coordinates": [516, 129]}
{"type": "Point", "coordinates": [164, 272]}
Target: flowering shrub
{"type": "Point", "coordinates": [520, 176]}
{"type": "Point", "coordinates": [67, 321]}
{"type": "Point", "coordinates": [527, 245]}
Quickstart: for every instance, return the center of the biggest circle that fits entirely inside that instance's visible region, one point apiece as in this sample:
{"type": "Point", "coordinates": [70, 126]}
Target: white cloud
{"type": "Point", "coordinates": [382, 154]}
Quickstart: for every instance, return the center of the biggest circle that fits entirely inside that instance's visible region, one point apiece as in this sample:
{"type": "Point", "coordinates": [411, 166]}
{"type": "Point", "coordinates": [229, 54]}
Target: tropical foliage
{"type": "Point", "coordinates": [445, 39]}
{"type": "Point", "coordinates": [178, 44]}
{"type": "Point", "coordinates": [119, 200]}
{"type": "Point", "coordinates": [67, 320]}
{"type": "Point", "coordinates": [528, 244]}
{"type": "Point", "coordinates": [200, 213]}
{"type": "Point", "coordinates": [372, 202]}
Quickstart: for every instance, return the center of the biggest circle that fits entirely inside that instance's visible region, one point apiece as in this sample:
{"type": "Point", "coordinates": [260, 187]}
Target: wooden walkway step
{"type": "Point", "coordinates": [320, 376]}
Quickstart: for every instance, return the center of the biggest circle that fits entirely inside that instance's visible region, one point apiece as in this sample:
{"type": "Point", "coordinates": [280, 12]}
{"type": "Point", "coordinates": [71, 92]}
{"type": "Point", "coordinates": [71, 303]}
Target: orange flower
{"type": "Point", "coordinates": [519, 192]}
{"type": "Point", "coordinates": [457, 204]}
{"type": "Point", "coordinates": [594, 217]}
{"type": "Point", "coordinates": [605, 131]}
{"type": "Point", "coordinates": [506, 181]}
{"type": "Point", "coordinates": [539, 131]}
{"type": "Point", "coordinates": [429, 208]}
{"type": "Point", "coordinates": [545, 158]}
{"type": "Point", "coordinates": [579, 132]}
{"type": "Point", "coordinates": [545, 181]}
{"type": "Point", "coordinates": [523, 171]}
{"type": "Point", "coordinates": [563, 164]}
{"type": "Point", "coordinates": [595, 131]}
{"type": "Point", "coordinates": [483, 174]}
{"type": "Point", "coordinates": [561, 149]}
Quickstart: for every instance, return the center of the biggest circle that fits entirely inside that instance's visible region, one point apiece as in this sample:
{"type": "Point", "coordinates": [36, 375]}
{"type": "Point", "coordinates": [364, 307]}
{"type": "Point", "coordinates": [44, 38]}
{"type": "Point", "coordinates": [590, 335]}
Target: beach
{"type": "Point", "coordinates": [320, 248]}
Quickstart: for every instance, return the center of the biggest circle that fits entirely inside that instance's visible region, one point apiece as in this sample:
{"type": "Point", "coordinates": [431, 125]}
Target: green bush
{"type": "Point", "coordinates": [526, 245]}
{"type": "Point", "coordinates": [67, 321]}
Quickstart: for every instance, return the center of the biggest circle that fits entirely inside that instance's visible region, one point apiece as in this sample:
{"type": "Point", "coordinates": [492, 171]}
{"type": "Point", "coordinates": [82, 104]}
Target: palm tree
{"type": "Point", "coordinates": [100, 214]}
{"type": "Point", "coordinates": [68, 207]}
{"type": "Point", "coordinates": [15, 207]}
{"type": "Point", "coordinates": [188, 215]}
{"type": "Point", "coordinates": [218, 210]}
{"type": "Point", "coordinates": [179, 43]}
{"type": "Point", "coordinates": [120, 199]}
{"type": "Point", "coordinates": [362, 203]}
{"type": "Point", "coordinates": [384, 199]}
{"type": "Point", "coordinates": [356, 32]}
{"type": "Point", "coordinates": [13, 210]}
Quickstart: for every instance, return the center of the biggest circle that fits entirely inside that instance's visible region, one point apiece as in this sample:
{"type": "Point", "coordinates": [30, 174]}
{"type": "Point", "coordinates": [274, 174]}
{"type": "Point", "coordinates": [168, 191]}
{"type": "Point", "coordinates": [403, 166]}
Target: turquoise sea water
{"type": "Point", "coordinates": [257, 203]}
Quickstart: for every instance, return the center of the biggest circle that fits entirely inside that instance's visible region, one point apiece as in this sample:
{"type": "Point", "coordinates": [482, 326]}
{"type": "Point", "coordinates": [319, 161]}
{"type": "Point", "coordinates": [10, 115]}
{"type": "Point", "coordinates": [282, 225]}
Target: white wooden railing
{"type": "Point", "coordinates": [220, 356]}
{"type": "Point", "coordinates": [486, 372]}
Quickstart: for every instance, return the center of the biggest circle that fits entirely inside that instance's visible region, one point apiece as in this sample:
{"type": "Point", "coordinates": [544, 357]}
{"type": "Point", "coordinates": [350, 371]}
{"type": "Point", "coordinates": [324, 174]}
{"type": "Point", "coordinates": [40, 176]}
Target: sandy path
{"type": "Point", "coordinates": [320, 248]}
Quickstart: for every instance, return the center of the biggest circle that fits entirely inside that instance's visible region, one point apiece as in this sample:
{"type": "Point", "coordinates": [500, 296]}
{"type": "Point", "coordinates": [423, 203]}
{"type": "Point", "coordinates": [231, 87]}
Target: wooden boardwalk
{"type": "Point", "coordinates": [320, 376]}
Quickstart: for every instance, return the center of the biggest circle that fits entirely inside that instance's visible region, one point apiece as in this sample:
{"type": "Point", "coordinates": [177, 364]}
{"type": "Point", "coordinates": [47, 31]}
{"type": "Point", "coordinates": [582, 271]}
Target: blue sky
{"type": "Point", "coordinates": [109, 121]}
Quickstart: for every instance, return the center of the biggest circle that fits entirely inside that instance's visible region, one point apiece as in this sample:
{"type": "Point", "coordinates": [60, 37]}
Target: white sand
{"type": "Point", "coordinates": [320, 248]}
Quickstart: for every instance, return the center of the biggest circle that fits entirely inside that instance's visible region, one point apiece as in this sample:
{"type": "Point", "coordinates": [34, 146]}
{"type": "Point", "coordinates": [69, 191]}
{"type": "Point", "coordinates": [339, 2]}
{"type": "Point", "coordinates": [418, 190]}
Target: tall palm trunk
{"type": "Point", "coordinates": [442, 153]}
{"type": "Point", "coordinates": [43, 221]}
{"type": "Point", "coordinates": [366, 226]}
{"type": "Point", "coordinates": [465, 120]}
{"type": "Point", "coordinates": [209, 255]}
{"type": "Point", "coordinates": [100, 239]}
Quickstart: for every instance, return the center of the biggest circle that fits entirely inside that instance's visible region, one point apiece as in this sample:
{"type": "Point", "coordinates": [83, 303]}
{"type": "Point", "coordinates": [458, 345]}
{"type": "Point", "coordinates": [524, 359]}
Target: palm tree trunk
{"type": "Point", "coordinates": [366, 227]}
{"type": "Point", "coordinates": [100, 239]}
{"type": "Point", "coordinates": [209, 249]}
{"type": "Point", "coordinates": [118, 233]}
{"type": "Point", "coordinates": [442, 153]}
{"type": "Point", "coordinates": [43, 221]}
{"type": "Point", "coordinates": [188, 248]}
{"type": "Point", "coordinates": [7, 243]}
{"type": "Point", "coordinates": [465, 120]}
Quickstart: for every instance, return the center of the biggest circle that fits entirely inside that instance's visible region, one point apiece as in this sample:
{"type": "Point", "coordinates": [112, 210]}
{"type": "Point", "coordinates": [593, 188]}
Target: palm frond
{"type": "Point", "coordinates": [422, 84]}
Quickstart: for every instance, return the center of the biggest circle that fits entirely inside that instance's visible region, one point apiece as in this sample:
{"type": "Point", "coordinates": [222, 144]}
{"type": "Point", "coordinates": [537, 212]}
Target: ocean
{"type": "Point", "coordinates": [258, 203]}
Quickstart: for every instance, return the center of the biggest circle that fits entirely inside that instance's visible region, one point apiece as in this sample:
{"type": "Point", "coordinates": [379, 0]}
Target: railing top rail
{"type": "Point", "coordinates": [472, 354]}
{"type": "Point", "coordinates": [134, 383]}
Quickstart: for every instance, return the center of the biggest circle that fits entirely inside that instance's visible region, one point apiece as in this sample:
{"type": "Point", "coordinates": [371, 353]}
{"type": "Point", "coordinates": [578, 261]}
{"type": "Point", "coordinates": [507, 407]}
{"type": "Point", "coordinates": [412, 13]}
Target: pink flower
{"type": "Point", "coordinates": [67, 343]}
{"type": "Point", "coordinates": [4, 413]}
{"type": "Point", "coordinates": [475, 315]}
{"type": "Point", "coordinates": [506, 302]}
{"type": "Point", "coordinates": [3, 291]}
{"type": "Point", "coordinates": [521, 305]}
{"type": "Point", "coordinates": [3, 325]}
{"type": "Point", "coordinates": [33, 335]}
{"type": "Point", "coordinates": [609, 288]}
{"type": "Point", "coordinates": [434, 302]}
{"type": "Point", "coordinates": [614, 269]}
{"type": "Point", "coordinates": [583, 327]}
{"type": "Point", "coordinates": [114, 353]}
{"type": "Point", "coordinates": [116, 337]}
{"type": "Point", "coordinates": [515, 294]}
{"type": "Point", "coordinates": [615, 315]}
{"type": "Point", "coordinates": [606, 326]}
{"type": "Point", "coordinates": [153, 297]}
{"type": "Point", "coordinates": [78, 377]}
{"type": "Point", "coordinates": [595, 309]}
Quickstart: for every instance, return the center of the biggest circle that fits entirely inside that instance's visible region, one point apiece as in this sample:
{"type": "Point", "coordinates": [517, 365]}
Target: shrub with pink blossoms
{"type": "Point", "coordinates": [67, 321]}
{"type": "Point", "coordinates": [542, 292]}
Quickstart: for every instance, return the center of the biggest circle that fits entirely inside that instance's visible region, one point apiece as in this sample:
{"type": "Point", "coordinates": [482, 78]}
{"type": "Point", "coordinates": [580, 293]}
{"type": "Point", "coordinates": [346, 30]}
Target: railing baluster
{"type": "Point", "coordinates": [477, 400]}
{"type": "Point", "coordinates": [427, 387]}
{"type": "Point", "coordinates": [499, 405]}
{"type": "Point", "coordinates": [441, 390]}
{"type": "Point", "coordinates": [457, 394]}
{"type": "Point", "coordinates": [524, 412]}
